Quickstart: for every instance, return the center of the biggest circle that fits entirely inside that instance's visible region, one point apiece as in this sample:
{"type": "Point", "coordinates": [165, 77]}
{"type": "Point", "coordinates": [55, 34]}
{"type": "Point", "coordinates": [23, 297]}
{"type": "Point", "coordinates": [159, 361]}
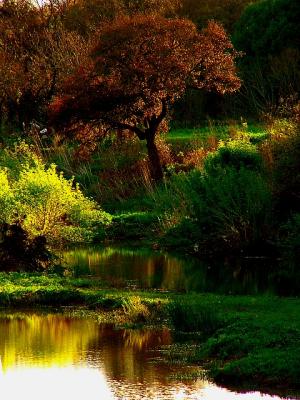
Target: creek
{"type": "Point", "coordinates": [54, 356]}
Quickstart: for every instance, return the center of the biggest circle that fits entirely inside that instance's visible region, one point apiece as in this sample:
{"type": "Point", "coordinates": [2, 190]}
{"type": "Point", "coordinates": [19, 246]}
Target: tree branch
{"type": "Point", "coordinates": [155, 121]}
{"type": "Point", "coordinates": [140, 134]}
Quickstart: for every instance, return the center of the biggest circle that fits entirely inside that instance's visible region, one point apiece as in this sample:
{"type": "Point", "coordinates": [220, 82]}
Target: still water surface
{"type": "Point", "coordinates": [135, 268]}
{"type": "Point", "coordinates": [55, 357]}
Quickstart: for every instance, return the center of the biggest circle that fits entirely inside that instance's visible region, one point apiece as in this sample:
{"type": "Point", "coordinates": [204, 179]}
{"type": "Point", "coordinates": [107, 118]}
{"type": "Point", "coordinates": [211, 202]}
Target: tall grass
{"type": "Point", "coordinates": [194, 317]}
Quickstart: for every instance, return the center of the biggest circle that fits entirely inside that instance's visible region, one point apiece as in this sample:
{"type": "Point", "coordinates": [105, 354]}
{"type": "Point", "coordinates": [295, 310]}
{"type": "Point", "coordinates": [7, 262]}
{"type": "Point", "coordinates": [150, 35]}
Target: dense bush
{"type": "Point", "coordinates": [282, 155]}
{"type": "Point", "coordinates": [236, 154]}
{"type": "Point", "coordinates": [230, 210]}
{"type": "Point", "coordinates": [267, 27]}
{"type": "Point", "coordinates": [235, 206]}
{"type": "Point", "coordinates": [226, 206]}
{"type": "Point", "coordinates": [44, 202]}
{"type": "Point", "coordinates": [134, 225]}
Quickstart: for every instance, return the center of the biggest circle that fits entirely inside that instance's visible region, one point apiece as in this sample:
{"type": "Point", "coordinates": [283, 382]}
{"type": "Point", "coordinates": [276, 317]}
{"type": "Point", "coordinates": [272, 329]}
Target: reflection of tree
{"type": "Point", "coordinates": [120, 267]}
{"type": "Point", "coordinates": [145, 338]}
{"type": "Point", "coordinates": [124, 353]}
{"type": "Point", "coordinates": [43, 340]}
{"type": "Point", "coordinates": [124, 357]}
{"type": "Point", "coordinates": [55, 340]}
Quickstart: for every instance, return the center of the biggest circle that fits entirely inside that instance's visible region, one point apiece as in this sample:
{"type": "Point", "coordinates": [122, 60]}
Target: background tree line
{"type": "Point", "coordinates": [41, 45]}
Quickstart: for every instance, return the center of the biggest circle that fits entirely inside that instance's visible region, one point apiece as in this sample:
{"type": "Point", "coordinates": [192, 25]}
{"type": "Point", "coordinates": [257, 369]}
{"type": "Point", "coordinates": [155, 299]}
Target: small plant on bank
{"type": "Point", "coordinates": [134, 310]}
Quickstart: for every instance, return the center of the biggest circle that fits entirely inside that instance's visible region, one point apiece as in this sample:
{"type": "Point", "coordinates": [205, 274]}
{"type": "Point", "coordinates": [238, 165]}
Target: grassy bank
{"type": "Point", "coordinates": [254, 340]}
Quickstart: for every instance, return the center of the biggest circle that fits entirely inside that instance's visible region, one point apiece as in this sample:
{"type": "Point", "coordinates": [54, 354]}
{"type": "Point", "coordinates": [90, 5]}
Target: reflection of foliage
{"type": "Point", "coordinates": [124, 266]}
{"type": "Point", "coordinates": [54, 340]}
{"type": "Point", "coordinates": [142, 338]}
{"type": "Point", "coordinates": [60, 340]}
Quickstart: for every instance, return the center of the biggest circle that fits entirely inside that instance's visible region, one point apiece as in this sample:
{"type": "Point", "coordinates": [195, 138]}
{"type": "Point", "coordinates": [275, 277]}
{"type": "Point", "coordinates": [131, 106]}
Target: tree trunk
{"type": "Point", "coordinates": [154, 160]}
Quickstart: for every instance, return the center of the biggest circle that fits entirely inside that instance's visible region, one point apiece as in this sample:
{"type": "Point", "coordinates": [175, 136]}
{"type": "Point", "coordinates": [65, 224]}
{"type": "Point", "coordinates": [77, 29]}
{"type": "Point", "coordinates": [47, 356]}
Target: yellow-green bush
{"type": "Point", "coordinates": [46, 203]}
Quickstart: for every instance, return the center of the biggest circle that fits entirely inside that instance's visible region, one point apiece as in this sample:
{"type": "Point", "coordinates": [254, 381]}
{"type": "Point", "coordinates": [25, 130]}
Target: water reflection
{"type": "Point", "coordinates": [49, 356]}
{"type": "Point", "coordinates": [121, 267]}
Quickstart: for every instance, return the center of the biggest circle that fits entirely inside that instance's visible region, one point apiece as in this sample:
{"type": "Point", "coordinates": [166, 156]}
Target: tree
{"type": "Point", "coordinates": [268, 34]}
{"type": "Point", "coordinates": [140, 66]}
{"type": "Point", "coordinates": [36, 54]}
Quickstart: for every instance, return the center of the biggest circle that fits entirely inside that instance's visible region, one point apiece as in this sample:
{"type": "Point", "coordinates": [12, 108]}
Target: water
{"type": "Point", "coordinates": [134, 268]}
{"type": "Point", "coordinates": [55, 357]}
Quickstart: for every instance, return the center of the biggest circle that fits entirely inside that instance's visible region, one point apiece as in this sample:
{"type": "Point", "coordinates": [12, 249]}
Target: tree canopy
{"type": "Point", "coordinates": [140, 66]}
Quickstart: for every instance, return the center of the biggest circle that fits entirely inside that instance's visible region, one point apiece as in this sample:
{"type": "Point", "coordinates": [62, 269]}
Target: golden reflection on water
{"type": "Point", "coordinates": [120, 267]}
{"type": "Point", "coordinates": [49, 356]}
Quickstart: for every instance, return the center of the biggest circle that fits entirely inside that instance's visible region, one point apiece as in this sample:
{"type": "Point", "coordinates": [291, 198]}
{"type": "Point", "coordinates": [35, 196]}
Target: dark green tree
{"type": "Point", "coordinates": [268, 32]}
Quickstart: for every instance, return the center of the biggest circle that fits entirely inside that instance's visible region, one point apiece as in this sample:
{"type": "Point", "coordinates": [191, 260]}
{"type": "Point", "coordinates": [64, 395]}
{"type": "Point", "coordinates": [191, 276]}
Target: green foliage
{"type": "Point", "coordinates": [134, 225]}
{"type": "Point", "coordinates": [135, 310]}
{"type": "Point", "coordinates": [234, 206]}
{"type": "Point", "coordinates": [45, 202]}
{"type": "Point", "coordinates": [277, 367]}
{"type": "Point", "coordinates": [260, 350]}
{"type": "Point", "coordinates": [267, 33]}
{"type": "Point", "coordinates": [282, 152]}
{"type": "Point", "coordinates": [228, 207]}
{"type": "Point", "coordinates": [6, 197]}
{"type": "Point", "coordinates": [290, 233]}
{"type": "Point", "coordinates": [267, 27]}
{"type": "Point", "coordinates": [252, 342]}
{"type": "Point", "coordinates": [234, 154]}
{"type": "Point", "coordinates": [184, 237]}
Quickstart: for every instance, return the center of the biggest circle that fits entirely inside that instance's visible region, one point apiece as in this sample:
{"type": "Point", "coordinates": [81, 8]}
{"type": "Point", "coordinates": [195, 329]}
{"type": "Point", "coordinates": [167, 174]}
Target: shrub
{"type": "Point", "coordinates": [46, 203]}
{"type": "Point", "coordinates": [227, 209]}
{"type": "Point", "coordinates": [290, 233]}
{"type": "Point", "coordinates": [266, 27]}
{"type": "Point", "coordinates": [135, 310]}
{"type": "Point", "coordinates": [237, 154]}
{"type": "Point", "coordinates": [6, 197]}
{"type": "Point", "coordinates": [282, 155]}
{"type": "Point", "coordinates": [17, 250]}
{"type": "Point", "coordinates": [234, 207]}
{"type": "Point", "coordinates": [135, 225]}
{"type": "Point", "coordinates": [184, 236]}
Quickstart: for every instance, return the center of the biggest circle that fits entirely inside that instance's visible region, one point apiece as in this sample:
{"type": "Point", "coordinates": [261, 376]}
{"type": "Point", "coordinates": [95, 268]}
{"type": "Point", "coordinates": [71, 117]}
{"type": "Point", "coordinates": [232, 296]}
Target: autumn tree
{"type": "Point", "coordinates": [36, 55]}
{"type": "Point", "coordinates": [140, 66]}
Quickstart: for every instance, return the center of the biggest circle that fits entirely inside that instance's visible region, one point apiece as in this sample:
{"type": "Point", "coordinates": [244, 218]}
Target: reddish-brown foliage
{"type": "Point", "coordinates": [36, 54]}
{"type": "Point", "coordinates": [140, 66]}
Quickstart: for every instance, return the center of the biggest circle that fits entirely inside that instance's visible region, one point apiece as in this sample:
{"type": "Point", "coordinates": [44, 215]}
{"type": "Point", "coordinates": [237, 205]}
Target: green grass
{"type": "Point", "coordinates": [180, 136]}
{"type": "Point", "coordinates": [197, 133]}
{"type": "Point", "coordinates": [181, 139]}
{"type": "Point", "coordinates": [254, 340]}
